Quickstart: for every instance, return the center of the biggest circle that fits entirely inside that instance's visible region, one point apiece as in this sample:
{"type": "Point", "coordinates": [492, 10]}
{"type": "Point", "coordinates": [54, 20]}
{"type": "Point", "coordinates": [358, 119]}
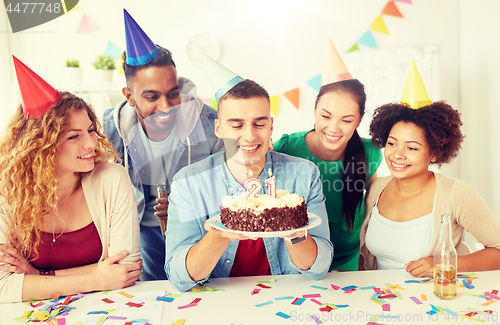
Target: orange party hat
{"type": "Point", "coordinates": [334, 69]}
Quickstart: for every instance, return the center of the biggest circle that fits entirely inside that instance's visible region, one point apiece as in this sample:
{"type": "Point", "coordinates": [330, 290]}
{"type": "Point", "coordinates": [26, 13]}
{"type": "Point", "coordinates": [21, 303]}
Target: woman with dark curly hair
{"type": "Point", "coordinates": [346, 161]}
{"type": "Point", "coordinates": [402, 216]}
{"type": "Point", "coordinates": [68, 217]}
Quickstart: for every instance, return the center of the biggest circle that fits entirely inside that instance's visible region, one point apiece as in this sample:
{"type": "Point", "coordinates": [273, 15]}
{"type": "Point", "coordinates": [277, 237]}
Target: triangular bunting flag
{"type": "Point", "coordinates": [405, 1]}
{"type": "Point", "coordinates": [113, 51]}
{"type": "Point", "coordinates": [315, 83]}
{"type": "Point", "coordinates": [391, 9]}
{"type": "Point", "coordinates": [213, 103]}
{"type": "Point", "coordinates": [379, 25]}
{"type": "Point", "coordinates": [86, 25]}
{"type": "Point", "coordinates": [353, 48]}
{"type": "Point", "coordinates": [275, 103]}
{"type": "Point", "coordinates": [71, 5]}
{"type": "Point", "coordinates": [368, 40]}
{"type": "Point", "coordinates": [293, 96]}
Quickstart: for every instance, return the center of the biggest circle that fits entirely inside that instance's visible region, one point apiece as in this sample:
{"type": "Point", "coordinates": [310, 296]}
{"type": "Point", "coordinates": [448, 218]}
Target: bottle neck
{"type": "Point", "coordinates": [445, 230]}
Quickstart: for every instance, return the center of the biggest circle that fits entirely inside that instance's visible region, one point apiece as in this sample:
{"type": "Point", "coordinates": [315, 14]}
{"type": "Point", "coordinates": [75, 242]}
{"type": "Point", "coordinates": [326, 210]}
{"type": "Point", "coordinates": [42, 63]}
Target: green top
{"type": "Point", "coordinates": [345, 243]}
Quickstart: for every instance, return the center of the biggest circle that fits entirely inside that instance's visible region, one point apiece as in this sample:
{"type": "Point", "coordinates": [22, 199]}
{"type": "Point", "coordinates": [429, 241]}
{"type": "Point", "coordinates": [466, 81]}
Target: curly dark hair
{"type": "Point", "coordinates": [163, 58]}
{"type": "Point", "coordinates": [440, 122]}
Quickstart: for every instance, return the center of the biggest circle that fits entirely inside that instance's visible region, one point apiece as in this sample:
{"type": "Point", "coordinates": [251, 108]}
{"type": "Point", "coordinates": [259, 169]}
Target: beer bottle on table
{"type": "Point", "coordinates": [445, 262]}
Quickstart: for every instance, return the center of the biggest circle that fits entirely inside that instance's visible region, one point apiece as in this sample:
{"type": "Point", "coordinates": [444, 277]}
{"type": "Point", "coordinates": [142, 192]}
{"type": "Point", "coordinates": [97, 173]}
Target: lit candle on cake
{"type": "Point", "coordinates": [271, 182]}
{"type": "Point", "coordinates": [252, 185]}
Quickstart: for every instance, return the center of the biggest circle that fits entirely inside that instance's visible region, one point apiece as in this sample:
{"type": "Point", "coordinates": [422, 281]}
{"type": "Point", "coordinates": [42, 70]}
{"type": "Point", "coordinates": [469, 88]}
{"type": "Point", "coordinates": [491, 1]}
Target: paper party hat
{"type": "Point", "coordinates": [414, 94]}
{"type": "Point", "coordinates": [334, 68]}
{"type": "Point", "coordinates": [140, 48]}
{"type": "Point", "coordinates": [36, 94]}
{"type": "Point", "coordinates": [221, 78]}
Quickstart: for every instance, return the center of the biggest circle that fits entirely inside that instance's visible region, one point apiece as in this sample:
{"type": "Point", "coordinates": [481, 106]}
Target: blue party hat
{"type": "Point", "coordinates": [221, 78]}
{"type": "Point", "coordinates": [140, 49]}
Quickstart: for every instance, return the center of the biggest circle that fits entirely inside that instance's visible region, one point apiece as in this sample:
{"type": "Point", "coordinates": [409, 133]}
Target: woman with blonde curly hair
{"type": "Point", "coordinates": [68, 217]}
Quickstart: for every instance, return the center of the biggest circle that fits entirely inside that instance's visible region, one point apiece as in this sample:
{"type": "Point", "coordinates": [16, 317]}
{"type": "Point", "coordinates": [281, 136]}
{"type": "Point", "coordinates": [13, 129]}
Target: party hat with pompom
{"type": "Point", "coordinates": [36, 94]}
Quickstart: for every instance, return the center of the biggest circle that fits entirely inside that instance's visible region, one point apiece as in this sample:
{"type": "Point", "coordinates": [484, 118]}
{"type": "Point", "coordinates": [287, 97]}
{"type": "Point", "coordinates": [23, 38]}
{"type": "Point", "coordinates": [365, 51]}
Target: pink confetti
{"type": "Point", "coordinates": [255, 291]}
{"type": "Point", "coordinates": [263, 286]}
{"type": "Point", "coordinates": [316, 302]}
{"type": "Point", "coordinates": [188, 306]}
{"type": "Point", "coordinates": [415, 299]}
{"type": "Point", "coordinates": [61, 321]}
{"type": "Point", "coordinates": [335, 287]}
{"type": "Point", "coordinates": [492, 296]}
{"type": "Point", "coordinates": [377, 290]}
{"type": "Point", "coordinates": [314, 295]}
{"type": "Point", "coordinates": [38, 304]}
{"type": "Point", "coordinates": [386, 307]}
{"type": "Point", "coordinates": [316, 319]}
{"type": "Point", "coordinates": [349, 290]}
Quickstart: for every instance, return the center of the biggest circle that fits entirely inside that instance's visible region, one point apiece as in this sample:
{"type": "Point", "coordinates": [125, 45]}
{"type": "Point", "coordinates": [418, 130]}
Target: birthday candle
{"type": "Point", "coordinates": [271, 182]}
{"type": "Point", "coordinates": [253, 186]}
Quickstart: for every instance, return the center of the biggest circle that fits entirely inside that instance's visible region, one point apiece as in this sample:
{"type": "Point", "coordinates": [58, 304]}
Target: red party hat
{"type": "Point", "coordinates": [36, 94]}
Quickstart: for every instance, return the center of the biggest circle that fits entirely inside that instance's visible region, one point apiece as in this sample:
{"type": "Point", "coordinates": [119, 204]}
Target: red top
{"type": "Point", "coordinates": [250, 259]}
{"type": "Point", "coordinates": [71, 249]}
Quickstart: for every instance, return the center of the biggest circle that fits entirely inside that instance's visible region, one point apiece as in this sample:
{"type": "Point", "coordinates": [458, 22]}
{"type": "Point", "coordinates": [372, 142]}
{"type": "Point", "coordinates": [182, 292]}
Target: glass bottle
{"type": "Point", "coordinates": [445, 262]}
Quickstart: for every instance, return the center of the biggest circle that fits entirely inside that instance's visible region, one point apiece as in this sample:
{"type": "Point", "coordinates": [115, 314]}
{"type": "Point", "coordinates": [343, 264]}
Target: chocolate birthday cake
{"type": "Point", "coordinates": [265, 213]}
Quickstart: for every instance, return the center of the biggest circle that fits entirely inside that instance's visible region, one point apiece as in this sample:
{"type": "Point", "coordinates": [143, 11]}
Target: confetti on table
{"type": "Point", "coordinates": [415, 299]}
{"type": "Point", "coordinates": [255, 291]}
{"type": "Point", "coordinates": [197, 300]}
{"type": "Point", "coordinates": [350, 290]}
{"type": "Point", "coordinates": [198, 290]}
{"type": "Point", "coordinates": [176, 295]}
{"type": "Point", "coordinates": [167, 299]}
{"type": "Point", "coordinates": [424, 297]}
{"type": "Point", "coordinates": [449, 311]}
{"type": "Point", "coordinates": [433, 310]}
{"type": "Point", "coordinates": [180, 322]}
{"type": "Point", "coordinates": [367, 288]}
{"type": "Point", "coordinates": [187, 306]}
{"type": "Point", "coordinates": [488, 302]}
{"type": "Point", "coordinates": [101, 320]}
{"type": "Point", "coordinates": [318, 287]}
{"type": "Point", "coordinates": [491, 295]}
{"type": "Point", "coordinates": [56, 296]}
{"type": "Point", "coordinates": [67, 300]}
{"type": "Point", "coordinates": [412, 281]}
{"type": "Point", "coordinates": [268, 281]}
{"type": "Point", "coordinates": [326, 308]}
{"type": "Point", "coordinates": [378, 302]}
{"type": "Point", "coordinates": [108, 301]}
{"type": "Point", "coordinates": [126, 295]}
{"type": "Point", "coordinates": [285, 316]}
{"type": "Point", "coordinates": [263, 286]}
{"type": "Point", "coordinates": [298, 301]}
{"type": "Point", "coordinates": [32, 304]}
{"type": "Point", "coordinates": [440, 310]}
{"type": "Point", "coordinates": [284, 298]}
{"type": "Point", "coordinates": [467, 284]}
{"type": "Point", "coordinates": [133, 304]}
{"type": "Point", "coordinates": [495, 292]}
{"type": "Point", "coordinates": [386, 307]}
{"type": "Point", "coordinates": [349, 287]}
{"type": "Point", "coordinates": [332, 306]}
{"type": "Point", "coordinates": [387, 296]}
{"type": "Point", "coordinates": [264, 303]}
{"type": "Point", "coordinates": [313, 295]}
{"type": "Point", "coordinates": [316, 319]}
{"type": "Point", "coordinates": [377, 290]}
{"type": "Point", "coordinates": [335, 287]}
{"type": "Point", "coordinates": [342, 306]}
{"type": "Point", "coordinates": [97, 312]}
{"type": "Point", "coordinates": [427, 281]}
{"type": "Point", "coordinates": [316, 302]}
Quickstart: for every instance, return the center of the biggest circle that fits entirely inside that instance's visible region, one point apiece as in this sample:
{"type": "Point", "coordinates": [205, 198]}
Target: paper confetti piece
{"type": "Point", "coordinates": [424, 297]}
{"type": "Point", "coordinates": [440, 310]}
{"type": "Point", "coordinates": [105, 292]}
{"type": "Point", "coordinates": [264, 303]}
{"type": "Point", "coordinates": [126, 295]}
{"type": "Point", "coordinates": [167, 299]}
{"type": "Point", "coordinates": [387, 296]}
{"type": "Point", "coordinates": [367, 288]}
{"type": "Point", "coordinates": [495, 292]}
{"type": "Point", "coordinates": [449, 311]}
{"type": "Point", "coordinates": [349, 290]}
{"type": "Point", "coordinates": [101, 320]}
{"type": "Point", "coordinates": [335, 287]}
{"type": "Point", "coordinates": [318, 287]}
{"type": "Point", "coordinates": [176, 295]}
{"type": "Point", "coordinates": [298, 301]}
{"type": "Point", "coordinates": [342, 306]}
{"type": "Point", "coordinates": [349, 287]}
{"type": "Point", "coordinates": [117, 317]}
{"type": "Point", "coordinates": [326, 308]}
{"type": "Point", "coordinates": [467, 284]}
{"type": "Point", "coordinates": [415, 299]}
{"type": "Point", "coordinates": [386, 307]}
{"type": "Point", "coordinates": [197, 300]}
{"type": "Point", "coordinates": [268, 281]}
{"type": "Point", "coordinates": [97, 312]}
{"type": "Point", "coordinates": [488, 302]}
{"type": "Point", "coordinates": [316, 302]}
{"type": "Point", "coordinates": [133, 304]}
{"type": "Point", "coordinates": [142, 321]}
{"type": "Point", "coordinates": [316, 319]}
{"type": "Point", "coordinates": [19, 319]}
{"type": "Point", "coordinates": [198, 290]}
{"type": "Point", "coordinates": [255, 291]}
{"type": "Point", "coordinates": [263, 286]}
{"type": "Point", "coordinates": [108, 301]}
{"type": "Point", "coordinates": [433, 310]}
{"type": "Point", "coordinates": [284, 298]}
{"type": "Point", "coordinates": [39, 316]}
{"type": "Point", "coordinates": [492, 296]}
{"type": "Point", "coordinates": [377, 290]}
{"type": "Point", "coordinates": [332, 306]}
{"type": "Point", "coordinates": [188, 306]}
{"type": "Point", "coordinates": [285, 316]}
{"type": "Point", "coordinates": [412, 281]}
{"type": "Point", "coordinates": [56, 296]}
{"type": "Point", "coordinates": [378, 302]}
{"type": "Point", "coordinates": [180, 322]}
{"type": "Point", "coordinates": [313, 295]}
{"type": "Point", "coordinates": [426, 281]}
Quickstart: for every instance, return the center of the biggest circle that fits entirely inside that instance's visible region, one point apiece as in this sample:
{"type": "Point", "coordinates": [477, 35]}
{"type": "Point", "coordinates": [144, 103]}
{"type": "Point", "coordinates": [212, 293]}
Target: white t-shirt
{"type": "Point", "coordinates": [160, 162]}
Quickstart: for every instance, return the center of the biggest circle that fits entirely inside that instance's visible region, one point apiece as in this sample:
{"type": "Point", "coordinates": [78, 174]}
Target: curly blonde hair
{"type": "Point", "coordinates": [28, 154]}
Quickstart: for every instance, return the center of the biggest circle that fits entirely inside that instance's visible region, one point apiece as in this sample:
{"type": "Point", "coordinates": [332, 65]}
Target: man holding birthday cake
{"type": "Point", "coordinates": [195, 249]}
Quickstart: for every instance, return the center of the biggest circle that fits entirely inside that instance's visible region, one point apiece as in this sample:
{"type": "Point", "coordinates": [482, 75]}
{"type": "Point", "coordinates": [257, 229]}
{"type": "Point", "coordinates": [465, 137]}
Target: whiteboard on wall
{"type": "Point", "coordinates": [384, 72]}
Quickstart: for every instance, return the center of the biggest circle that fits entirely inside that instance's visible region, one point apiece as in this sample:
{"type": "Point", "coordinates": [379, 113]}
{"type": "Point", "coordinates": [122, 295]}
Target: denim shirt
{"type": "Point", "coordinates": [199, 144]}
{"type": "Point", "coordinates": [196, 195]}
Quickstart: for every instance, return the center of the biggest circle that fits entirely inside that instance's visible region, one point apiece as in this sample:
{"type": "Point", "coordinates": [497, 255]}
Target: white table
{"type": "Point", "coordinates": [236, 305]}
